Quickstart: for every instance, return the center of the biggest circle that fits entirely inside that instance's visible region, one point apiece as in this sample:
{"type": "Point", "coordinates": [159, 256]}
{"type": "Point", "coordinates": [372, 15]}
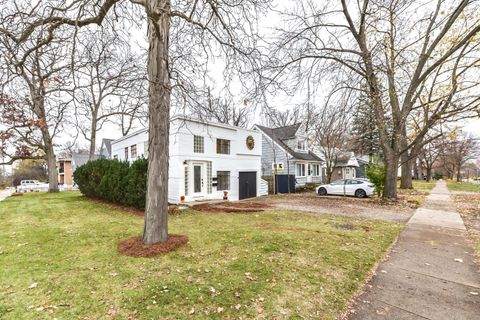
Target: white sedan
{"type": "Point", "coordinates": [347, 187]}
{"type": "Point", "coordinates": [32, 185]}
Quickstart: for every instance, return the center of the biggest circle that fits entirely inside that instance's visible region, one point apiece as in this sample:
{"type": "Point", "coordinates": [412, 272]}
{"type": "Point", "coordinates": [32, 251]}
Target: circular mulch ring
{"type": "Point", "coordinates": [135, 247]}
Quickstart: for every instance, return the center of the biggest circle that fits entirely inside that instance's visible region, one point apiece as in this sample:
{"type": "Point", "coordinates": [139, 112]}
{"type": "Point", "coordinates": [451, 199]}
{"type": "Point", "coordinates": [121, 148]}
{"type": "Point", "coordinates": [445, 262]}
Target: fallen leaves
{"type": "Point", "coordinates": [458, 260]}
{"type": "Point", "coordinates": [33, 285]}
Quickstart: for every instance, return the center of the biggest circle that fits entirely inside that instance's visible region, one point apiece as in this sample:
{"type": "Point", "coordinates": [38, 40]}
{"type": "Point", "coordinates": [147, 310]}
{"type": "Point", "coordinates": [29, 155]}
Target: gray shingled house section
{"type": "Point", "coordinates": [279, 144]}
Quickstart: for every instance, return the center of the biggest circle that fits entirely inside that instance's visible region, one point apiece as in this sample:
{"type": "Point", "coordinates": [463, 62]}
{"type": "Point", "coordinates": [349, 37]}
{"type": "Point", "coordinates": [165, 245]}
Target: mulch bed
{"type": "Point", "coordinates": [135, 247]}
{"type": "Point", "coordinates": [232, 207]}
{"type": "Point", "coordinates": [135, 211]}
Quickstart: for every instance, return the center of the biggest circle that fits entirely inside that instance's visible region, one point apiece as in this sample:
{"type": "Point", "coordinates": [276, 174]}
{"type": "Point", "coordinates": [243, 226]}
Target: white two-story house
{"type": "Point", "coordinates": [206, 159]}
{"type": "Point", "coordinates": [285, 150]}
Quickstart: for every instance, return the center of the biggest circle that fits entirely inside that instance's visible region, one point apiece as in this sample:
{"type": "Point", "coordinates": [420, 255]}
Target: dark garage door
{"type": "Point", "coordinates": [247, 185]}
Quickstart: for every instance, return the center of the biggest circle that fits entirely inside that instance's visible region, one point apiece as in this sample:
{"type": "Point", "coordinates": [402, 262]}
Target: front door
{"type": "Point", "coordinates": [198, 179]}
{"type": "Point", "coordinates": [309, 173]}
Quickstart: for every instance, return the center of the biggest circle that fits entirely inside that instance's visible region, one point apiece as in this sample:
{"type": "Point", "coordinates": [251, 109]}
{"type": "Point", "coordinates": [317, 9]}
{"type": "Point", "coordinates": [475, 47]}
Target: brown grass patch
{"type": "Point", "coordinates": [244, 207]}
{"type": "Point", "coordinates": [135, 247]}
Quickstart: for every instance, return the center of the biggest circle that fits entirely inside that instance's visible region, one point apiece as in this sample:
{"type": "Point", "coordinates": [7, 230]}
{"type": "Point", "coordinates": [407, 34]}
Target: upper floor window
{"type": "Point", "coordinates": [301, 145]}
{"type": "Point", "coordinates": [133, 151]}
{"type": "Point", "coordinates": [223, 146]}
{"type": "Point", "coordinates": [126, 153]}
{"type": "Point", "coordinates": [198, 144]}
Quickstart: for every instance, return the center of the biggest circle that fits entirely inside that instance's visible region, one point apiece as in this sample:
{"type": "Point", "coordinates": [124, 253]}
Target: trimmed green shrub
{"type": "Point", "coordinates": [376, 174]}
{"type": "Point", "coordinates": [114, 181]}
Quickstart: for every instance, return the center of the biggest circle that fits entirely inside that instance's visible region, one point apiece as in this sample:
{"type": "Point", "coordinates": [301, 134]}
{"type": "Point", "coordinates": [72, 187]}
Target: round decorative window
{"type": "Point", "coordinates": [250, 142]}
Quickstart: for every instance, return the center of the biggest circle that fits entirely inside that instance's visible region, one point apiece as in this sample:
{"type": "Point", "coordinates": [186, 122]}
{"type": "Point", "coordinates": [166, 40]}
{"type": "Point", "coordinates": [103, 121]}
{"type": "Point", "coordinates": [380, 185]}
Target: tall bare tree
{"type": "Point", "coordinates": [110, 84]}
{"type": "Point", "coordinates": [222, 109]}
{"type": "Point", "coordinates": [396, 47]}
{"type": "Point", "coordinates": [33, 77]}
{"type": "Point", "coordinates": [331, 130]}
{"type": "Point", "coordinates": [209, 28]}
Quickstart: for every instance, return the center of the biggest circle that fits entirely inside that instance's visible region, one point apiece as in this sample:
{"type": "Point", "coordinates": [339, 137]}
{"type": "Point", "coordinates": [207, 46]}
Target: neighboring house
{"type": "Point", "coordinates": [106, 148]}
{"type": "Point", "coordinates": [345, 166]}
{"type": "Point", "coordinates": [67, 166]}
{"type": "Point", "coordinates": [206, 159]}
{"type": "Point", "coordinates": [287, 149]}
{"type": "Point", "coordinates": [362, 166]}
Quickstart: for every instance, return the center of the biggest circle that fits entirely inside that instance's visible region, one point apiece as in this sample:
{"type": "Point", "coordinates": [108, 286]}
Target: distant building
{"type": "Point", "coordinates": [345, 166]}
{"type": "Point", "coordinates": [67, 166]}
{"type": "Point", "coordinates": [285, 150]}
{"type": "Point", "coordinates": [106, 148]}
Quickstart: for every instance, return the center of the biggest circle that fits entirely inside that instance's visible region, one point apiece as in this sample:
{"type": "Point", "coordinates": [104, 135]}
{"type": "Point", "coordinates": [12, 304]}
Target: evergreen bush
{"type": "Point", "coordinates": [114, 181]}
{"type": "Point", "coordinates": [376, 174]}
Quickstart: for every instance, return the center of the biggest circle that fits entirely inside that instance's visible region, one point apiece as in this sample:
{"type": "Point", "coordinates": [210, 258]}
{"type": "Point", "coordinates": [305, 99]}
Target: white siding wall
{"type": "Point", "coordinates": [182, 132]}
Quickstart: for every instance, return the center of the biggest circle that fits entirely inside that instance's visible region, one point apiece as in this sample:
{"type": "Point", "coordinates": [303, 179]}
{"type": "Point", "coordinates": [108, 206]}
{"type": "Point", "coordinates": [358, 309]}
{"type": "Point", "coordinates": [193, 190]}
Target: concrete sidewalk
{"type": "Point", "coordinates": [430, 273]}
{"type": "Point", "coordinates": [5, 193]}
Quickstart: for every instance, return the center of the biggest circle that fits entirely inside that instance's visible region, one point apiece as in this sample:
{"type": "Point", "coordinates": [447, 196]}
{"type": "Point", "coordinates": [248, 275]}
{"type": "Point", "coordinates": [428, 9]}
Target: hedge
{"type": "Point", "coordinates": [114, 181]}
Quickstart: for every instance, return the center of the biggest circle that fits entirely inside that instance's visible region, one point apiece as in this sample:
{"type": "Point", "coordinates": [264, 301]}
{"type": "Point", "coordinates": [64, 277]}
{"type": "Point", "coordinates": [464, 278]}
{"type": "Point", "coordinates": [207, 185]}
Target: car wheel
{"type": "Point", "coordinates": [360, 193]}
{"type": "Point", "coordinates": [322, 191]}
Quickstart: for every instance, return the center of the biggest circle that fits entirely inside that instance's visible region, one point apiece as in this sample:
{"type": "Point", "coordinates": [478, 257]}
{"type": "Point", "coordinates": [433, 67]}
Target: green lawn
{"type": "Point", "coordinates": [421, 185]}
{"type": "Point", "coordinates": [58, 259]}
{"type": "Point", "coordinates": [463, 186]}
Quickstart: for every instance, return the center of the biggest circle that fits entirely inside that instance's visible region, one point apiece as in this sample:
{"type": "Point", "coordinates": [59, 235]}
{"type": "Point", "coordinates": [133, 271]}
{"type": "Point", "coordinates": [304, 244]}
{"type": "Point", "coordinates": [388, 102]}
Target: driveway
{"type": "Point", "coordinates": [369, 208]}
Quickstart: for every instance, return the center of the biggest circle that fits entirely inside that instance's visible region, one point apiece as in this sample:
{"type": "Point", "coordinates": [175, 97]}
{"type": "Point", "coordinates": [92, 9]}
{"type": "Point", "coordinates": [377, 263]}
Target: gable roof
{"type": "Point", "coordinates": [79, 159]}
{"type": "Point", "coordinates": [346, 159]}
{"type": "Point", "coordinates": [284, 133]}
{"type": "Point", "coordinates": [108, 145]}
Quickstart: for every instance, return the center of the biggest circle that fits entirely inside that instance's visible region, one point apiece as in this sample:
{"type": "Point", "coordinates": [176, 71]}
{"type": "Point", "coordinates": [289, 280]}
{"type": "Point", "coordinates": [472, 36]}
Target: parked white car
{"type": "Point", "coordinates": [32, 185]}
{"type": "Point", "coordinates": [359, 188]}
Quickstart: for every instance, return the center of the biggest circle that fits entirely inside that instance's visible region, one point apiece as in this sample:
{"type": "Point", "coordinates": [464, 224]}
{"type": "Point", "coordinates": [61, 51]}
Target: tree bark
{"type": "Point", "coordinates": [406, 177]}
{"type": "Point", "coordinates": [93, 138]}
{"type": "Point", "coordinates": [429, 174]}
{"type": "Point", "coordinates": [39, 110]}
{"type": "Point", "coordinates": [459, 178]}
{"type": "Point", "coordinates": [156, 208]}
{"type": "Point", "coordinates": [391, 170]}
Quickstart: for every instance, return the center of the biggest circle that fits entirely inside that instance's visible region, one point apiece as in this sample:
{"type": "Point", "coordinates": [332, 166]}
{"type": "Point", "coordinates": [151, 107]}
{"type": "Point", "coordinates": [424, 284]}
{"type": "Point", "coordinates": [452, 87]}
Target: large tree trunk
{"type": "Point", "coordinates": [459, 175]}
{"type": "Point", "coordinates": [429, 174]}
{"type": "Point", "coordinates": [391, 170]}
{"type": "Point", "coordinates": [406, 177]}
{"type": "Point", "coordinates": [156, 208]}
{"type": "Point", "coordinates": [416, 171]}
{"type": "Point", "coordinates": [39, 110]}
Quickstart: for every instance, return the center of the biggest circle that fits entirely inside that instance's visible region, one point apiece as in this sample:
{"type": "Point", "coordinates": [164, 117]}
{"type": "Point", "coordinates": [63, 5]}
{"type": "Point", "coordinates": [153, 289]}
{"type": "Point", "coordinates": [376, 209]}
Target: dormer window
{"type": "Point", "coordinates": [301, 145]}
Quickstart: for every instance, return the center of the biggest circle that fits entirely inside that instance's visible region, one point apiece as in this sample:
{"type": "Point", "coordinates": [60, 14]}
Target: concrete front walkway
{"type": "Point", "coordinates": [430, 273]}
{"type": "Point", "coordinates": [5, 193]}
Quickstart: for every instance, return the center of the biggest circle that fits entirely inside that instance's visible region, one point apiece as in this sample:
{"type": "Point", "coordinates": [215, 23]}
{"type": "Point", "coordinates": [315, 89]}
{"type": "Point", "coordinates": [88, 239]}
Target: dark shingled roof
{"type": "Point", "coordinates": [288, 132]}
{"type": "Point", "coordinates": [108, 144]}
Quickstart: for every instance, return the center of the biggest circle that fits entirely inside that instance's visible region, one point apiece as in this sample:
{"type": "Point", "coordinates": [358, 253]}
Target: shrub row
{"type": "Point", "coordinates": [115, 181]}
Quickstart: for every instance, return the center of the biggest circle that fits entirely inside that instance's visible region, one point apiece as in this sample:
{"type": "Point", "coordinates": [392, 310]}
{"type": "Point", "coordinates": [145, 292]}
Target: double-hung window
{"type": "Point", "coordinates": [126, 153]}
{"type": "Point", "coordinates": [316, 170]}
{"type": "Point", "coordinates": [133, 151]}
{"type": "Point", "coordinates": [223, 146]}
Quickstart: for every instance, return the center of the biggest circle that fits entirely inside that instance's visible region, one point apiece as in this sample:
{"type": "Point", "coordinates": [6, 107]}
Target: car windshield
{"type": "Point", "coordinates": [338, 182]}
